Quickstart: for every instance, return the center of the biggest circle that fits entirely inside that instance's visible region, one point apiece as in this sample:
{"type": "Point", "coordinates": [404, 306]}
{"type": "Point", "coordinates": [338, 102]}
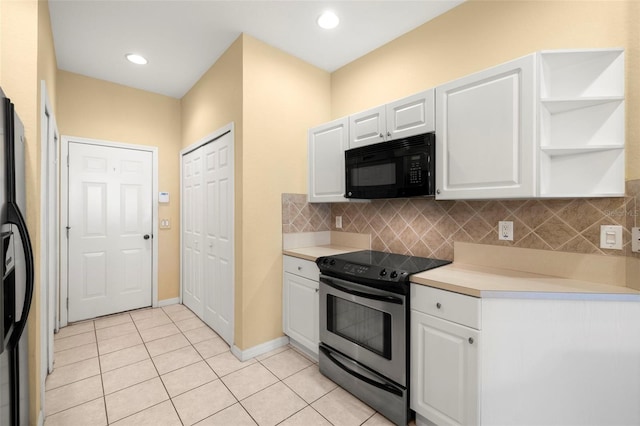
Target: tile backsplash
{"type": "Point", "coordinates": [425, 227]}
{"type": "Point", "coordinates": [300, 216]}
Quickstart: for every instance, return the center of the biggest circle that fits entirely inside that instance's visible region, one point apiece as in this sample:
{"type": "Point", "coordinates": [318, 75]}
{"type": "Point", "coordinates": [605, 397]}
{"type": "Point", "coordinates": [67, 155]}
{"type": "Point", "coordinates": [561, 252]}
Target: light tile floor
{"type": "Point", "coordinates": [166, 367]}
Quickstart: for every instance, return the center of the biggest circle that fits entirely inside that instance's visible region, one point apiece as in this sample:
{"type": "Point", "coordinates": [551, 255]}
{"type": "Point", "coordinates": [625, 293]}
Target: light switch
{"type": "Point", "coordinates": [611, 237]}
{"type": "Point", "coordinates": [163, 197]}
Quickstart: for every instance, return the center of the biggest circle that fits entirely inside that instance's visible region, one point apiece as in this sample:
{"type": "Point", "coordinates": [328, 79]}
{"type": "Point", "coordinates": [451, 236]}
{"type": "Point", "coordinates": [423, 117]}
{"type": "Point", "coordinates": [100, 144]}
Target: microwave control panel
{"type": "Point", "coordinates": [415, 169]}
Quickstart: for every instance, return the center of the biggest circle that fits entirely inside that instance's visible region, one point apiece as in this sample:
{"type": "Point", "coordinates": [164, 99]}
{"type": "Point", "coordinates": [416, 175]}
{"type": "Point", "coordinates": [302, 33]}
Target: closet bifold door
{"type": "Point", "coordinates": [192, 230]}
{"type": "Point", "coordinates": [207, 234]}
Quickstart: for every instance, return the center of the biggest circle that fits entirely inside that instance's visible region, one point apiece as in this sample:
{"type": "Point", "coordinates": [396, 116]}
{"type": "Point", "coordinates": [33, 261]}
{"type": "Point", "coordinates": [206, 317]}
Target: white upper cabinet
{"type": "Point", "coordinates": [581, 123]}
{"type": "Point", "coordinates": [485, 133]}
{"type": "Point", "coordinates": [367, 127]}
{"type": "Point", "coordinates": [326, 146]}
{"type": "Point", "coordinates": [412, 115]}
{"type": "Point", "coordinates": [550, 124]}
{"type": "Point", "coordinates": [405, 117]}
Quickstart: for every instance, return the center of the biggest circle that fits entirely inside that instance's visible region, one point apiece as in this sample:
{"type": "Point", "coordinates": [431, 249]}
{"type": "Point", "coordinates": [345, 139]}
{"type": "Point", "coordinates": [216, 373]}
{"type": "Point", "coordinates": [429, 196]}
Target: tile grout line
{"type": "Point", "coordinates": [308, 404]}
{"type": "Point", "coordinates": [76, 381]}
{"type": "Point", "coordinates": [158, 372]}
{"type": "Point", "coordinates": [104, 394]}
{"type": "Point", "coordinates": [218, 377]}
{"type": "Point", "coordinates": [260, 362]}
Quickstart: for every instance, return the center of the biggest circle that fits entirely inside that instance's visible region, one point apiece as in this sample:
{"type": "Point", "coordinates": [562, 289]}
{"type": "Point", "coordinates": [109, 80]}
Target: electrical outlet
{"type": "Point", "coordinates": [338, 222]}
{"type": "Point", "coordinates": [635, 240]}
{"type": "Point", "coordinates": [505, 230]}
{"type": "Point", "coordinates": [165, 223]}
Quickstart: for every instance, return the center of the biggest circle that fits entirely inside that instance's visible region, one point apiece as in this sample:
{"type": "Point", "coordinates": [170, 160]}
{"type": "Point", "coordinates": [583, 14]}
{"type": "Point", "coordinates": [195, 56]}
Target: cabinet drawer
{"type": "Point", "coordinates": [301, 267]}
{"type": "Point", "coordinates": [447, 305]}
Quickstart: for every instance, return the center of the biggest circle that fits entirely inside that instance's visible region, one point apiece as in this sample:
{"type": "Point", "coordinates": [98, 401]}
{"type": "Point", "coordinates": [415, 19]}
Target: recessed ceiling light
{"type": "Point", "coordinates": [136, 59]}
{"type": "Point", "coordinates": [328, 20]}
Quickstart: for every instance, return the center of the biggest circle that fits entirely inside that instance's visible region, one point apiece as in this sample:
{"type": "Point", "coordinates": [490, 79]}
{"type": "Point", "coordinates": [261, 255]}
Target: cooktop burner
{"type": "Point", "coordinates": [376, 268]}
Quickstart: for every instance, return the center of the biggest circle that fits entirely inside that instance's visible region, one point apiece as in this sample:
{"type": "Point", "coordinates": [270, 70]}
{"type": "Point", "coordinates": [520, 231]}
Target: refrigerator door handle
{"type": "Point", "coordinates": [15, 217]}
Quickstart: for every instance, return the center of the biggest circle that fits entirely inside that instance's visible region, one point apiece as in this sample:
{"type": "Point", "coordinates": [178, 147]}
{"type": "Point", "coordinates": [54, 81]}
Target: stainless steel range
{"type": "Point", "coordinates": [364, 326]}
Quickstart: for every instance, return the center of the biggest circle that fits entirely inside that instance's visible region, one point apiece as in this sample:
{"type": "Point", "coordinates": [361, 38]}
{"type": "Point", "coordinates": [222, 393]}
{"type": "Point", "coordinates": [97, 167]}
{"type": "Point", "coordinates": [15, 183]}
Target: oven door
{"type": "Point", "coordinates": [365, 324]}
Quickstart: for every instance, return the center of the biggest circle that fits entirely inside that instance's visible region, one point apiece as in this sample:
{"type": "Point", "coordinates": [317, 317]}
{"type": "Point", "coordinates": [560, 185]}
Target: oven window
{"type": "Point", "coordinates": [381, 174]}
{"type": "Point", "coordinates": [360, 324]}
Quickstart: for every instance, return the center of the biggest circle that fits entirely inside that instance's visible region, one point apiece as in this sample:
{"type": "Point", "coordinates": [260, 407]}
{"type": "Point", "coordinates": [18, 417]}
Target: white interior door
{"type": "Point", "coordinates": [218, 175]}
{"type": "Point", "coordinates": [52, 239]}
{"type": "Point", "coordinates": [207, 232]}
{"type": "Point", "coordinates": [110, 220]}
{"type": "Point", "coordinates": [192, 213]}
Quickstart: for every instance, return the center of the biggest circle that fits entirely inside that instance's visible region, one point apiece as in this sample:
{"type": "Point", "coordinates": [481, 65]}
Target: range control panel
{"type": "Point", "coordinates": [371, 272]}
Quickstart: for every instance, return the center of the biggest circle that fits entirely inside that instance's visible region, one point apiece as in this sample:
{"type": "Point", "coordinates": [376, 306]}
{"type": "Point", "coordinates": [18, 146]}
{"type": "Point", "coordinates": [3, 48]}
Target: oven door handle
{"type": "Point", "coordinates": [332, 282]}
{"type": "Point", "coordinates": [384, 386]}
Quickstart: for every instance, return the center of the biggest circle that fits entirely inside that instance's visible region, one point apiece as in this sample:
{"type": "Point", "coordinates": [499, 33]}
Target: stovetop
{"type": "Point", "coordinates": [376, 267]}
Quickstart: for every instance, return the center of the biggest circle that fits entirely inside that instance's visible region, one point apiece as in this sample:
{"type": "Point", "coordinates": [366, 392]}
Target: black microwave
{"type": "Point", "coordinates": [394, 169]}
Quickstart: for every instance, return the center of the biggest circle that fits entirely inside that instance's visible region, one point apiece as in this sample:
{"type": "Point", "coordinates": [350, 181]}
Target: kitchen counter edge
{"type": "Point", "coordinates": [314, 252]}
{"type": "Point", "coordinates": [485, 282]}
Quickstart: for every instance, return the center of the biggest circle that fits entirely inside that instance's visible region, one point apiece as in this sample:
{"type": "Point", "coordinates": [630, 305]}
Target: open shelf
{"type": "Point", "coordinates": [582, 173]}
{"type": "Point", "coordinates": [582, 123]}
{"type": "Point", "coordinates": [560, 105]}
{"type": "Point", "coordinates": [582, 73]}
{"type": "Point", "coordinates": [573, 150]}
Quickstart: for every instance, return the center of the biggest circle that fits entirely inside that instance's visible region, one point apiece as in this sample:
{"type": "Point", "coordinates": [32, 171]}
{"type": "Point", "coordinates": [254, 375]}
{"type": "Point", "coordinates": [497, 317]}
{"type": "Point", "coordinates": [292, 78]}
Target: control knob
{"type": "Point", "coordinates": [393, 274]}
{"type": "Point", "coordinates": [383, 272]}
{"type": "Point", "coordinates": [333, 262]}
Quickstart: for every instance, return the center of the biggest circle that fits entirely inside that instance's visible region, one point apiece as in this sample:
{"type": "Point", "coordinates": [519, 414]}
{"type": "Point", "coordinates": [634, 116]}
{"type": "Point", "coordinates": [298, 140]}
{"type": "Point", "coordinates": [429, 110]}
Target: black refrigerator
{"type": "Point", "coordinates": [16, 269]}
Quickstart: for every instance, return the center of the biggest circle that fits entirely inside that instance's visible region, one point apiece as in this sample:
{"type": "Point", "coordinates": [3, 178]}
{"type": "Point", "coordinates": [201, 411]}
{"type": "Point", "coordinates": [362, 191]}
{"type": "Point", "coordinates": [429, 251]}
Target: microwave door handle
{"type": "Point", "coordinates": [333, 282]}
{"type": "Point", "coordinates": [384, 386]}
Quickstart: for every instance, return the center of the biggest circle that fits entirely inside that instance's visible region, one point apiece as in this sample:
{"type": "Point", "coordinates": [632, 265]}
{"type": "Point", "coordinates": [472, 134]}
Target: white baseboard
{"type": "Point", "coordinates": [262, 348]}
{"type": "Point", "coordinates": [167, 302]}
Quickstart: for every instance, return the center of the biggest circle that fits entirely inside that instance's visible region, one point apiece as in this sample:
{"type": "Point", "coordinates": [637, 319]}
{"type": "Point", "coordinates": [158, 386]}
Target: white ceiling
{"type": "Point", "coordinates": [183, 38]}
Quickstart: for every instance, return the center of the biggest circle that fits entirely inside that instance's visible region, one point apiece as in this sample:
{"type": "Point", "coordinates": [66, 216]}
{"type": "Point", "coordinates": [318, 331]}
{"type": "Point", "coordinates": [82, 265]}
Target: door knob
{"type": "Point", "coordinates": [146, 236]}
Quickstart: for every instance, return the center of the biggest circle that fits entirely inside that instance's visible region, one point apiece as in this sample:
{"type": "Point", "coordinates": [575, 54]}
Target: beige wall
{"type": "Point", "coordinates": [213, 102]}
{"type": "Point", "coordinates": [27, 56]}
{"type": "Point", "coordinates": [216, 99]}
{"type": "Point", "coordinates": [283, 97]}
{"type": "Point", "coordinates": [98, 109]}
{"type": "Point", "coordinates": [272, 98]}
{"type": "Point", "coordinates": [479, 34]}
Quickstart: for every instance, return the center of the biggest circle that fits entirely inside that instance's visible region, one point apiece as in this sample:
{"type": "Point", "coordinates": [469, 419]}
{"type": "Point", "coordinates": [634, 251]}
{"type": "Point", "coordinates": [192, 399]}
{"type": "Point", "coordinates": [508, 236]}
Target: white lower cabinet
{"type": "Point", "coordinates": [524, 358]}
{"type": "Point", "coordinates": [444, 357]}
{"type": "Point", "coordinates": [301, 302]}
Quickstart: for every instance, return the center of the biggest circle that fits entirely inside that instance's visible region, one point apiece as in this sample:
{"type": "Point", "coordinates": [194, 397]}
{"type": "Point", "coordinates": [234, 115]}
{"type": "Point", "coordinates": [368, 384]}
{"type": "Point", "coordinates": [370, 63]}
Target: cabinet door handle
{"type": "Point", "coordinates": [438, 305]}
{"type": "Point", "coordinates": [471, 340]}
{"type": "Point", "coordinates": [437, 191]}
{"type": "Point", "coordinates": [388, 134]}
{"type": "Point", "coordinates": [381, 135]}
{"type": "Point", "coordinates": [299, 268]}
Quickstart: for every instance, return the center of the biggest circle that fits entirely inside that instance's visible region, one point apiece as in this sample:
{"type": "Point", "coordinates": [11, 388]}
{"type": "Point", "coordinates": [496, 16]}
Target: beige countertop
{"type": "Point", "coordinates": [492, 281]}
{"type": "Point", "coordinates": [482, 281]}
{"type": "Point", "coordinates": [314, 252]}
